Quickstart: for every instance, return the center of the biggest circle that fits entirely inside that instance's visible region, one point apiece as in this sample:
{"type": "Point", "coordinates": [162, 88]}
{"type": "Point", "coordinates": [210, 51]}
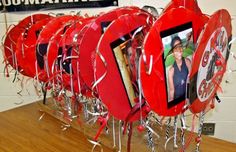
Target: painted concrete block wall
{"type": "Point", "coordinates": [223, 115]}
{"type": "Point", "coordinates": [8, 90]}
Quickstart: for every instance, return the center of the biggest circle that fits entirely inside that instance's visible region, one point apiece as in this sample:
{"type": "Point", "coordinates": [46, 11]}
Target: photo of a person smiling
{"type": "Point", "coordinates": [178, 72]}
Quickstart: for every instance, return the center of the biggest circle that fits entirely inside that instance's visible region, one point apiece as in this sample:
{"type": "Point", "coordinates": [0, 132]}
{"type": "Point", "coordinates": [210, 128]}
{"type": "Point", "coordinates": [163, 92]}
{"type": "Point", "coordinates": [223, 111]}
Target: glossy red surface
{"type": "Point", "coordinates": [25, 48]}
{"type": "Point", "coordinates": [89, 41]}
{"type": "Point", "coordinates": [69, 45]}
{"type": "Point", "coordinates": [111, 89]}
{"type": "Point", "coordinates": [220, 19]}
{"type": "Point", "coordinates": [48, 41]}
{"type": "Point", "coordinates": [154, 83]}
{"type": "Point", "coordinates": [13, 34]}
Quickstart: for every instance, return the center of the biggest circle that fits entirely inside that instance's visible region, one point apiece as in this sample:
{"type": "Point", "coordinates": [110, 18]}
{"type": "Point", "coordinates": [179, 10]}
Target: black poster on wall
{"type": "Point", "coordinates": [31, 5]}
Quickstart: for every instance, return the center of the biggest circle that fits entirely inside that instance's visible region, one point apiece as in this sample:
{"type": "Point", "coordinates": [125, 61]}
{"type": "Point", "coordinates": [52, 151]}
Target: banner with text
{"type": "Point", "coordinates": [31, 5]}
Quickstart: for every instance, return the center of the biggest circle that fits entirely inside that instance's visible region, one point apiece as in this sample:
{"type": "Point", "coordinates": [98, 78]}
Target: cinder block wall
{"type": "Point", "coordinates": [223, 115]}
